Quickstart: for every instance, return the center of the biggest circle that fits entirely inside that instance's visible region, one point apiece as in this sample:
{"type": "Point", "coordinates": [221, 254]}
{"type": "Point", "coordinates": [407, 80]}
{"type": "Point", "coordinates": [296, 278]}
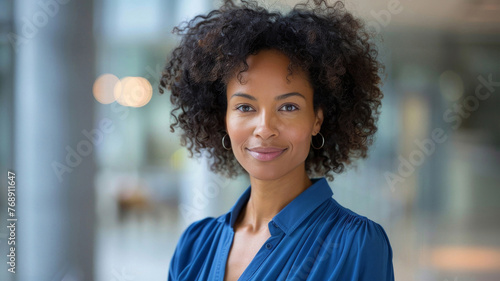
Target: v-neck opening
{"type": "Point", "coordinates": [251, 266]}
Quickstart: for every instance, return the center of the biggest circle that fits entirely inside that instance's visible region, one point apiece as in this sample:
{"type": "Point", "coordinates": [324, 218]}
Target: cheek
{"type": "Point", "coordinates": [303, 137]}
{"type": "Point", "coordinates": [236, 129]}
{"type": "Point", "coordinates": [300, 135]}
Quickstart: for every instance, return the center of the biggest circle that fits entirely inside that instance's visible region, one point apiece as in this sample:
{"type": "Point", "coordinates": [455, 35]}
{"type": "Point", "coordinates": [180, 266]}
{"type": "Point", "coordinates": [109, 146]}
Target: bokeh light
{"type": "Point", "coordinates": [466, 258]}
{"type": "Point", "coordinates": [133, 91]}
{"type": "Point", "coordinates": [103, 88]}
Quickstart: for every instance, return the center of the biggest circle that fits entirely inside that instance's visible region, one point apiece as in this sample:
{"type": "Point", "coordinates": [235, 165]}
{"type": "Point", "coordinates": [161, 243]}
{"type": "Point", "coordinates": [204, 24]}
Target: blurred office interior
{"type": "Point", "coordinates": [104, 189]}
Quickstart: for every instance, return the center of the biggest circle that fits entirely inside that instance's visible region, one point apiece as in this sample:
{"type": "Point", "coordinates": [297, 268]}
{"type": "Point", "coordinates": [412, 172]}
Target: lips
{"type": "Point", "coordinates": [266, 153]}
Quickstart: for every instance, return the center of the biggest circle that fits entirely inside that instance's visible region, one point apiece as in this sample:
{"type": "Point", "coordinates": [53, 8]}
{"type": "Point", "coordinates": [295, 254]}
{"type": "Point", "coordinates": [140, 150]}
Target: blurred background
{"type": "Point", "coordinates": [104, 190]}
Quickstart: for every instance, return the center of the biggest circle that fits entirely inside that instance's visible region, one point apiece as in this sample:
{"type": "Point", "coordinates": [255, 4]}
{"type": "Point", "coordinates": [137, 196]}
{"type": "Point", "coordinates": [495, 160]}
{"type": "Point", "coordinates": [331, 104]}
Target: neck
{"type": "Point", "coordinates": [269, 197]}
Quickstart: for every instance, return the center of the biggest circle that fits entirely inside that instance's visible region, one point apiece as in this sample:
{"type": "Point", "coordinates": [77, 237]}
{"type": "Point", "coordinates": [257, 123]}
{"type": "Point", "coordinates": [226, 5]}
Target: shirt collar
{"type": "Point", "coordinates": [290, 217]}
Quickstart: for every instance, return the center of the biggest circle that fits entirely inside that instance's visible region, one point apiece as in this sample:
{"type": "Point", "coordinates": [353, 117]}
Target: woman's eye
{"type": "Point", "coordinates": [289, 107]}
{"type": "Point", "coordinates": [244, 108]}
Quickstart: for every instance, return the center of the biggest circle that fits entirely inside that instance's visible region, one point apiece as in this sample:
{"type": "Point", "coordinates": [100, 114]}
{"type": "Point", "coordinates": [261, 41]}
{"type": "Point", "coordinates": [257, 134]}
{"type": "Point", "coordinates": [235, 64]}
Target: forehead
{"type": "Point", "coordinates": [269, 69]}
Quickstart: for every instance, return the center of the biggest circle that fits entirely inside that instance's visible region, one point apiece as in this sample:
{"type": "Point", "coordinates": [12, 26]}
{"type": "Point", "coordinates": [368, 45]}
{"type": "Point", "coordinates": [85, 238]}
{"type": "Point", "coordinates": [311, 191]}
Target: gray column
{"type": "Point", "coordinates": [54, 161]}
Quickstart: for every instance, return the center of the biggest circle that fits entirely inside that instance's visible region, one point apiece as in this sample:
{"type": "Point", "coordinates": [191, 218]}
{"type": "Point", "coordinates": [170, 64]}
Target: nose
{"type": "Point", "coordinates": [266, 125]}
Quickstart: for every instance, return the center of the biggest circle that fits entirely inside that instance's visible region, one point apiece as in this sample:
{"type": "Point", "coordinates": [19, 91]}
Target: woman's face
{"type": "Point", "coordinates": [270, 121]}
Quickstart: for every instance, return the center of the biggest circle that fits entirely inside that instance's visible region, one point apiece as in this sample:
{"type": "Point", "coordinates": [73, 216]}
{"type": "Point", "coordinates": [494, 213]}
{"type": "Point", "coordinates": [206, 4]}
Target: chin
{"type": "Point", "coordinates": [265, 173]}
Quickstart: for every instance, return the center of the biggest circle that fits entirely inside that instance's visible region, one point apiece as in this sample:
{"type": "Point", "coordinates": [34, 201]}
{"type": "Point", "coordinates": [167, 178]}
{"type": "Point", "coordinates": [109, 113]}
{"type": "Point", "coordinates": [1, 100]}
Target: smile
{"type": "Point", "coordinates": [268, 155]}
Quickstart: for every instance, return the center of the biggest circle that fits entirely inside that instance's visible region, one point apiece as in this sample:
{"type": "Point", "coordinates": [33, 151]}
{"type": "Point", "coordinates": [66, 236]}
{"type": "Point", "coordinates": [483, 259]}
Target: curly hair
{"type": "Point", "coordinates": [333, 47]}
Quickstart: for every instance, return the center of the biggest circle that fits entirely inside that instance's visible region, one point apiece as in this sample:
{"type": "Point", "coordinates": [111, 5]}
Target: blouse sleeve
{"type": "Point", "coordinates": [182, 254]}
{"type": "Point", "coordinates": [371, 253]}
{"type": "Point", "coordinates": [175, 262]}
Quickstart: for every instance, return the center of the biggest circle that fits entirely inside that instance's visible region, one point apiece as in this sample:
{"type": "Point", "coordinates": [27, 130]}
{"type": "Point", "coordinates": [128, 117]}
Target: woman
{"type": "Point", "coordinates": [288, 99]}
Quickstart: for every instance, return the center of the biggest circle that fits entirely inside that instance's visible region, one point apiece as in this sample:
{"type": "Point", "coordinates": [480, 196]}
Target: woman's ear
{"type": "Point", "coordinates": [319, 121]}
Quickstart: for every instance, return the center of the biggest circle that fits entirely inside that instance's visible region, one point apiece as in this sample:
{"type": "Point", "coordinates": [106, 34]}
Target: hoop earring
{"type": "Point", "coordinates": [223, 145]}
{"type": "Point", "coordinates": [322, 142]}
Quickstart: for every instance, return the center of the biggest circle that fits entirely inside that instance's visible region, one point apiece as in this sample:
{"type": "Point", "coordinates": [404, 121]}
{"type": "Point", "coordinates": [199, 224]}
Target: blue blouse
{"type": "Point", "coordinates": [312, 238]}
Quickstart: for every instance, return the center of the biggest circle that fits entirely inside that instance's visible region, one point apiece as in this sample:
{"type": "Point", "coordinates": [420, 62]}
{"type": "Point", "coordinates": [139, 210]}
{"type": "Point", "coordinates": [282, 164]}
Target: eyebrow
{"type": "Point", "coordinates": [280, 97]}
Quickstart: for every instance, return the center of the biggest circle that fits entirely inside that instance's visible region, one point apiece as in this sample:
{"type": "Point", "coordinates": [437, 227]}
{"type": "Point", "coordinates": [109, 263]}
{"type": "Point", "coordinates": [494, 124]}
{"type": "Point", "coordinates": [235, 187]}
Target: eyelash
{"type": "Point", "coordinates": [238, 107]}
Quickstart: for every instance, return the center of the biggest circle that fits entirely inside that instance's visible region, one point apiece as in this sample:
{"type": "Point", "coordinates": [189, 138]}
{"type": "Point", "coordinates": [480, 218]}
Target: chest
{"type": "Point", "coordinates": [243, 249]}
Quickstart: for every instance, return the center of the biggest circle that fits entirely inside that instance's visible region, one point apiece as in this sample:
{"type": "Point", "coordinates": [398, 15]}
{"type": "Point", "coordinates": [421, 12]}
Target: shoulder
{"type": "Point", "coordinates": [195, 239]}
{"type": "Point", "coordinates": [360, 246]}
{"type": "Point", "coordinates": [368, 236]}
{"type": "Point", "coordinates": [199, 225]}
{"type": "Point", "coordinates": [360, 230]}
{"type": "Point", "coordinates": [365, 244]}
{"type": "Point", "coordinates": [356, 232]}
{"type": "Point", "coordinates": [196, 232]}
